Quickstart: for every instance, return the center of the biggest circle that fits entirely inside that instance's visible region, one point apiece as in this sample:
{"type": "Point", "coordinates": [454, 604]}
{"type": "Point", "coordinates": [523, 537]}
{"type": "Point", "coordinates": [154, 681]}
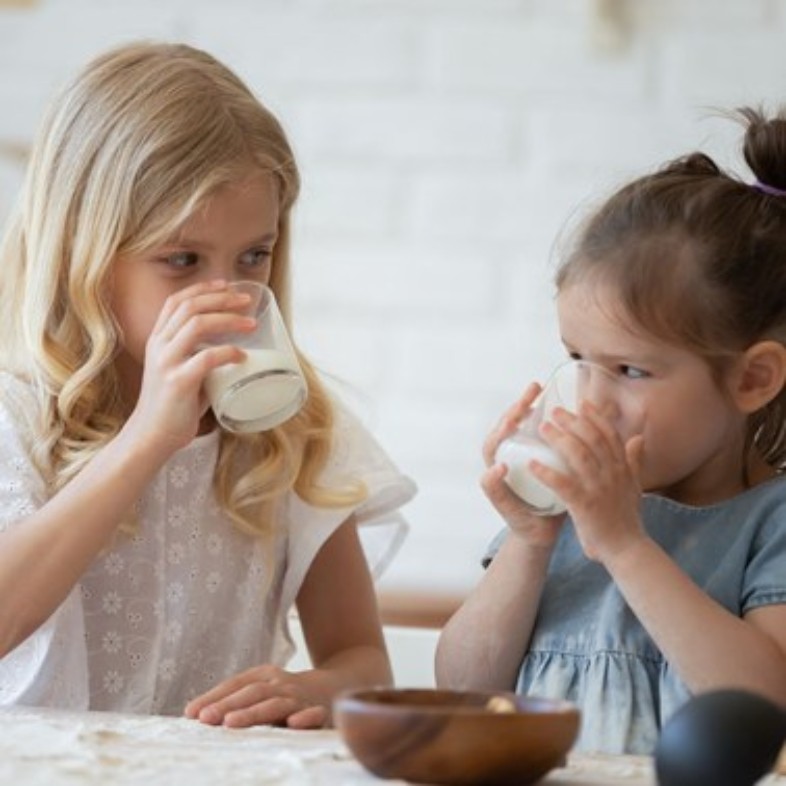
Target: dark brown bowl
{"type": "Point", "coordinates": [451, 737]}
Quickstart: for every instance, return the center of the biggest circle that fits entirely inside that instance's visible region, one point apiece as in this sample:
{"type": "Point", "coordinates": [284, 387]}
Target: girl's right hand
{"type": "Point", "coordinates": [539, 531]}
{"type": "Point", "coordinates": [171, 400]}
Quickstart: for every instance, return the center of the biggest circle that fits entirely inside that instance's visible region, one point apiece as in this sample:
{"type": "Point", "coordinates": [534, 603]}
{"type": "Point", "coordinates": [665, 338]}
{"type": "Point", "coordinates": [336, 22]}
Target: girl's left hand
{"type": "Point", "coordinates": [601, 489]}
{"type": "Point", "coordinates": [263, 695]}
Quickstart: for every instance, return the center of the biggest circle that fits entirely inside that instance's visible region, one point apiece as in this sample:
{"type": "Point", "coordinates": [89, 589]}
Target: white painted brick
{"type": "Point", "coordinates": [442, 441]}
{"type": "Point", "coordinates": [413, 128]}
{"type": "Point", "coordinates": [348, 202]}
{"type": "Point", "coordinates": [527, 208]}
{"type": "Point", "coordinates": [472, 358]}
{"type": "Point", "coordinates": [314, 51]}
{"type": "Point", "coordinates": [701, 15]}
{"type": "Point", "coordinates": [724, 69]}
{"type": "Point", "coordinates": [451, 527]}
{"type": "Point", "coordinates": [613, 145]}
{"type": "Point", "coordinates": [447, 149]}
{"type": "Point", "coordinates": [354, 352]}
{"type": "Point", "coordinates": [420, 9]}
{"type": "Point", "coordinates": [534, 58]}
{"type": "Point", "coordinates": [398, 281]}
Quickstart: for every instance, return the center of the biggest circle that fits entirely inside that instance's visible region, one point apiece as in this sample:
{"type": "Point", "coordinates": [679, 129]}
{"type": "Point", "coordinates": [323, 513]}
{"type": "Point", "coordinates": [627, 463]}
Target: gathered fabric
{"type": "Point", "coordinates": [187, 600]}
{"type": "Point", "coordinates": [587, 645]}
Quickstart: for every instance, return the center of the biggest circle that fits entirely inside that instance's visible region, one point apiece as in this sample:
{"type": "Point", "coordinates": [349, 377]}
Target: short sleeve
{"type": "Point", "coordinates": [381, 526]}
{"type": "Point", "coordinates": [494, 547]}
{"type": "Point", "coordinates": [50, 666]}
{"type": "Point", "coordinates": [764, 582]}
{"type": "Point", "coordinates": [22, 489]}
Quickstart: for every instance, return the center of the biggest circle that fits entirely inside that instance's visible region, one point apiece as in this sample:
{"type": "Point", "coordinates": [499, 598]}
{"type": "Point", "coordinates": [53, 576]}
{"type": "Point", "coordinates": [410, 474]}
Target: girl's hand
{"type": "Point", "coordinates": [171, 400]}
{"type": "Point", "coordinates": [264, 695]}
{"type": "Point", "coordinates": [601, 490]}
{"type": "Point", "coordinates": [539, 531]}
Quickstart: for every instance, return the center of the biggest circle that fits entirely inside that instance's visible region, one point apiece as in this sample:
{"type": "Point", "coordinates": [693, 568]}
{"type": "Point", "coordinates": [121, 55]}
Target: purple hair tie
{"type": "Point", "coordinates": [771, 190]}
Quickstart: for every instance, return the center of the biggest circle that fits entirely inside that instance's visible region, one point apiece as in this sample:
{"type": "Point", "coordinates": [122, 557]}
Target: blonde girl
{"type": "Point", "coordinates": [148, 560]}
{"type": "Point", "coordinates": [634, 602]}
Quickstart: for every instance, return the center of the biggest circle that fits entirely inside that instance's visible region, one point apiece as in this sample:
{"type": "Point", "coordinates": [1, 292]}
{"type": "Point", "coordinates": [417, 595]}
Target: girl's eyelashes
{"type": "Point", "coordinates": [256, 257]}
{"type": "Point", "coordinates": [632, 372]}
{"type": "Point", "coordinates": [181, 260]}
{"type": "Point", "coordinates": [624, 369]}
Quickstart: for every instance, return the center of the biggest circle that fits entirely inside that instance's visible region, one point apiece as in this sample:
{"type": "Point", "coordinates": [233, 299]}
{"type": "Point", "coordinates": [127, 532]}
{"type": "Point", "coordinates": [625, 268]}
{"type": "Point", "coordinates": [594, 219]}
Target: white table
{"type": "Point", "coordinates": [52, 748]}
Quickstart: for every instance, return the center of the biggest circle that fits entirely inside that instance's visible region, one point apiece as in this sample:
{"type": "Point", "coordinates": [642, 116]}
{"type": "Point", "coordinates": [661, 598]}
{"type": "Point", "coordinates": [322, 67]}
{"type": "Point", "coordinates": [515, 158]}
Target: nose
{"type": "Point", "coordinates": [600, 387]}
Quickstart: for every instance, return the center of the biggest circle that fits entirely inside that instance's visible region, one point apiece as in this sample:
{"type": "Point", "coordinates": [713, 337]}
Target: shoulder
{"type": "Point", "coordinates": [355, 449]}
{"type": "Point", "coordinates": [19, 405]}
{"type": "Point", "coordinates": [741, 515]}
{"type": "Point", "coordinates": [22, 487]}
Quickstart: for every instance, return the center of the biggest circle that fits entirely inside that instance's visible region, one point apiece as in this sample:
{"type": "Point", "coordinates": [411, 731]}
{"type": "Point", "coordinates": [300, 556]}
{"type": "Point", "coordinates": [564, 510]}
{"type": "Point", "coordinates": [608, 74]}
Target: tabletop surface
{"type": "Point", "coordinates": [40, 747]}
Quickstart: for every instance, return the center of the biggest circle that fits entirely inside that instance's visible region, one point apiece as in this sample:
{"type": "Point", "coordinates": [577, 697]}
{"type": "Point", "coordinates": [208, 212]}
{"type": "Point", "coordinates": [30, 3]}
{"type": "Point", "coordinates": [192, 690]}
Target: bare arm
{"type": "Point", "coordinates": [341, 625]}
{"type": "Point", "coordinates": [482, 645]}
{"type": "Point", "coordinates": [42, 559]}
{"type": "Point", "coordinates": [338, 612]}
{"type": "Point", "coordinates": [708, 646]}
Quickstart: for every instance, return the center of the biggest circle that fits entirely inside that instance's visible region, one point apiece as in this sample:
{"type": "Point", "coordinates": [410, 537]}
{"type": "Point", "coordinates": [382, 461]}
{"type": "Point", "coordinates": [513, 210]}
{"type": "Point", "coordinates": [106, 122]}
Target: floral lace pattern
{"type": "Point", "coordinates": [164, 614]}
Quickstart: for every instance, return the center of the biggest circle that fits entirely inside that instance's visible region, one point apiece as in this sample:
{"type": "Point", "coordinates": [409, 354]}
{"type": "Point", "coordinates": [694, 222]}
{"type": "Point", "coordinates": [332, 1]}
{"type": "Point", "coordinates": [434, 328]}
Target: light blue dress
{"type": "Point", "coordinates": [589, 647]}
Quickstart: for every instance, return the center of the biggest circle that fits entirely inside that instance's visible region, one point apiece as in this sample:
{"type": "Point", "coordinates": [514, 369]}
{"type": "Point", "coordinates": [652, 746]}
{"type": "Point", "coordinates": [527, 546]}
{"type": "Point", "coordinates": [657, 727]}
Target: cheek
{"type": "Point", "coordinates": [679, 433]}
{"type": "Point", "coordinates": [136, 322]}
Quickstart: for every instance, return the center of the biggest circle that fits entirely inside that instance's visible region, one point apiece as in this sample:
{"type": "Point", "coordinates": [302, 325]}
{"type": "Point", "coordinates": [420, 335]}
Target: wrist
{"type": "Point", "coordinates": [628, 557]}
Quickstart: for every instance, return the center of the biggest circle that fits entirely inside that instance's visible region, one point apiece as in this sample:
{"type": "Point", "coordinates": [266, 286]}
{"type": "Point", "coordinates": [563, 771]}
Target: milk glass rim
{"type": "Point", "coordinates": [574, 363]}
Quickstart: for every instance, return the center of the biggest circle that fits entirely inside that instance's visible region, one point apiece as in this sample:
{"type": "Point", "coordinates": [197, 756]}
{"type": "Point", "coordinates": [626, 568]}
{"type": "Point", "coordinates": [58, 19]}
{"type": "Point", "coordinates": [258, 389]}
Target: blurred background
{"type": "Point", "coordinates": [444, 145]}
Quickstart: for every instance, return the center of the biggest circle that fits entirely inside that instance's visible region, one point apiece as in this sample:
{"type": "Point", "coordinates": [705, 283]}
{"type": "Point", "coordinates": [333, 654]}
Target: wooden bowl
{"type": "Point", "coordinates": [451, 737]}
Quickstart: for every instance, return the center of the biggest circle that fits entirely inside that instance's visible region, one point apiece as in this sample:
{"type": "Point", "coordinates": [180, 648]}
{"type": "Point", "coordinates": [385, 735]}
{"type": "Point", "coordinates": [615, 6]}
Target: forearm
{"type": "Point", "coordinates": [358, 667]}
{"type": "Point", "coordinates": [42, 559]}
{"type": "Point", "coordinates": [482, 645]}
{"type": "Point", "coordinates": [706, 644]}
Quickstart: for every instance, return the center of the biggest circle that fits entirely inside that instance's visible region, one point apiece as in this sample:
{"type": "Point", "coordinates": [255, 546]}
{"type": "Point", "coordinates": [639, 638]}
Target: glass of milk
{"type": "Point", "coordinates": [266, 388]}
{"type": "Point", "coordinates": [571, 383]}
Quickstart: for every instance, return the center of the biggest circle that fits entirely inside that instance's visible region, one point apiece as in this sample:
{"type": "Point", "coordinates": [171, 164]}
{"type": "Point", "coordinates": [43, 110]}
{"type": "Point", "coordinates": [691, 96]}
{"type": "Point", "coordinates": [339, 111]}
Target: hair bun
{"type": "Point", "coordinates": [764, 146]}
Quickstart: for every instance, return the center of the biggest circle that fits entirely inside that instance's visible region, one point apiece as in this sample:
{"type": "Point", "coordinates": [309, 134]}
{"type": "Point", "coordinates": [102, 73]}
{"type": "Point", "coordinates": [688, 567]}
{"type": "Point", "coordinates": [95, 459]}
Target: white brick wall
{"type": "Point", "coordinates": [444, 145]}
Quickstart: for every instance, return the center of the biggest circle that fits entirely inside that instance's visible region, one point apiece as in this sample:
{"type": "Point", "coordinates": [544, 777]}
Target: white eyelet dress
{"type": "Point", "coordinates": [163, 615]}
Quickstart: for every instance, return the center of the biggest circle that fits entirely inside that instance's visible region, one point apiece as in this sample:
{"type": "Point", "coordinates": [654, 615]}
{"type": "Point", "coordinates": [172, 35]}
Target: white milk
{"type": "Point", "coordinates": [517, 454]}
{"type": "Point", "coordinates": [266, 386]}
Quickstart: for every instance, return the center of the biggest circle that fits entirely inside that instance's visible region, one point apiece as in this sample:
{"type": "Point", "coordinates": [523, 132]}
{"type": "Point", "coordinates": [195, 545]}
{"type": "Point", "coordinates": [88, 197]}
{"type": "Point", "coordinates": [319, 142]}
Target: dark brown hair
{"type": "Point", "coordinates": [698, 258]}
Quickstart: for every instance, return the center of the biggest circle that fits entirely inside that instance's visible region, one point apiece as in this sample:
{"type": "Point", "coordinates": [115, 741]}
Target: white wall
{"type": "Point", "coordinates": [443, 144]}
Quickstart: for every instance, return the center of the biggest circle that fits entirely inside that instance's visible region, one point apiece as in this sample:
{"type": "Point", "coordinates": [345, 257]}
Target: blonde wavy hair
{"type": "Point", "coordinates": [138, 142]}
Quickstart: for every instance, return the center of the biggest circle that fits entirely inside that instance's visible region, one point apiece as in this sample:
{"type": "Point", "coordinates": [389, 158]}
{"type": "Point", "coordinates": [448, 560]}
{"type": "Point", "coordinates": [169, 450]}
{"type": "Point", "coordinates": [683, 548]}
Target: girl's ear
{"type": "Point", "coordinates": [760, 375]}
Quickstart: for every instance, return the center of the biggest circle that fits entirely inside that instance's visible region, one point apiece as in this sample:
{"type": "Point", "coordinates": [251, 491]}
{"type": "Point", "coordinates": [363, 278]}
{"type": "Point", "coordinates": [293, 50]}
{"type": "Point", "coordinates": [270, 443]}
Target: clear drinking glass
{"type": "Point", "coordinates": [266, 388]}
{"type": "Point", "coordinates": [569, 385]}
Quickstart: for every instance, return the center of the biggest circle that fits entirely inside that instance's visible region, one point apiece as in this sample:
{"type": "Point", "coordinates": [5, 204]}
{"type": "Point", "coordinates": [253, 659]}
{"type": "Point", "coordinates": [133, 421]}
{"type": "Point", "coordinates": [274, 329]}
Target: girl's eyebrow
{"type": "Point", "coordinates": [610, 358]}
{"type": "Point", "coordinates": [186, 242]}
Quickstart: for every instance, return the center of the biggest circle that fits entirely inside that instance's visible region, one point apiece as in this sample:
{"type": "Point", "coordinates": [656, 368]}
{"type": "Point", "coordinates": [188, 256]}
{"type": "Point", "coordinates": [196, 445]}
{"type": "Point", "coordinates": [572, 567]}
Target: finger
{"type": "Point", "coordinates": [275, 710]}
{"type": "Point", "coordinates": [232, 685]}
{"type": "Point", "coordinates": [257, 693]}
{"type": "Point", "coordinates": [194, 327]}
{"type": "Point", "coordinates": [179, 310]}
{"type": "Point", "coordinates": [308, 718]}
{"type": "Point", "coordinates": [498, 492]}
{"type": "Point", "coordinates": [559, 482]}
{"type": "Point", "coordinates": [509, 422]}
{"type": "Point", "coordinates": [174, 302]}
{"type": "Point", "coordinates": [581, 442]}
{"type": "Point", "coordinates": [634, 449]}
{"type": "Point", "coordinates": [187, 377]}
